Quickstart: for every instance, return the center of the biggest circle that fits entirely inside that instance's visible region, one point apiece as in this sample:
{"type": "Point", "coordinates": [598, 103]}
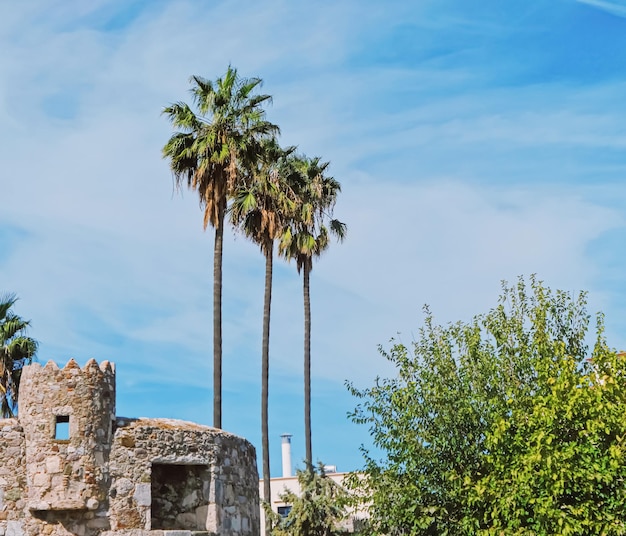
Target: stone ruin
{"type": "Point", "coordinates": [68, 466]}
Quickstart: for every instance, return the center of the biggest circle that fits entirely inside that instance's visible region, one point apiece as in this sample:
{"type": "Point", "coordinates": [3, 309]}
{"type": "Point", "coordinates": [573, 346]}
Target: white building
{"type": "Point", "coordinates": [289, 482]}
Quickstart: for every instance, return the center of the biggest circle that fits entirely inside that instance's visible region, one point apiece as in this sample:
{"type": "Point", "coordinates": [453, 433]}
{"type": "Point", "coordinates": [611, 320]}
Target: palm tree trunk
{"type": "Point", "coordinates": [265, 362]}
{"type": "Point", "coordinates": [307, 367]}
{"type": "Point", "coordinates": [217, 319]}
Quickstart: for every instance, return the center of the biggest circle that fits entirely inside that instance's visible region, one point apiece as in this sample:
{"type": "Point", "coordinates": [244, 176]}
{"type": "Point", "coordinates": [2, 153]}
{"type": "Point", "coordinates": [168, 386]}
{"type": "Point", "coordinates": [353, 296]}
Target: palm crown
{"type": "Point", "coordinates": [308, 235]}
{"type": "Point", "coordinates": [16, 350]}
{"type": "Point", "coordinates": [263, 204]}
{"type": "Point", "coordinates": [211, 147]}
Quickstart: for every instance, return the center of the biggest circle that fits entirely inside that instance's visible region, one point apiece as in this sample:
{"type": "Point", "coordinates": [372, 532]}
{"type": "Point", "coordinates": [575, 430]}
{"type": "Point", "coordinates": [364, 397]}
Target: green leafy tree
{"type": "Point", "coordinates": [16, 350]}
{"type": "Point", "coordinates": [260, 210]}
{"type": "Point", "coordinates": [210, 151]}
{"type": "Point", "coordinates": [506, 425]}
{"type": "Point", "coordinates": [307, 237]}
{"type": "Point", "coordinates": [318, 510]}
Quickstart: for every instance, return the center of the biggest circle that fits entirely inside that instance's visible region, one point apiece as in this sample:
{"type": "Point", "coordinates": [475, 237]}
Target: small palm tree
{"type": "Point", "coordinates": [318, 509]}
{"type": "Point", "coordinates": [16, 350]}
{"type": "Point", "coordinates": [209, 150]}
{"type": "Point", "coordinates": [260, 210]}
{"type": "Point", "coordinates": [306, 238]}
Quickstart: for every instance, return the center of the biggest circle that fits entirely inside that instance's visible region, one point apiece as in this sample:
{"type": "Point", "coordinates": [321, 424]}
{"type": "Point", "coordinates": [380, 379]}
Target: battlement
{"type": "Point", "coordinates": [104, 371]}
{"type": "Point", "coordinates": [50, 390]}
{"type": "Point", "coordinates": [90, 389]}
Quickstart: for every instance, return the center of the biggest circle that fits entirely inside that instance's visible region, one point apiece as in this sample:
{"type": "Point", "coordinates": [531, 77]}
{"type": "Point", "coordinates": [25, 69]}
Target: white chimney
{"type": "Point", "coordinates": [286, 452]}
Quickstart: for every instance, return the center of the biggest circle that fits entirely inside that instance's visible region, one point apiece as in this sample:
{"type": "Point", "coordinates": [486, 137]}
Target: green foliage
{"type": "Point", "coordinates": [213, 145]}
{"type": "Point", "coordinates": [317, 511]}
{"type": "Point", "coordinates": [311, 222]}
{"type": "Point", "coordinates": [506, 425]}
{"type": "Point", "coordinates": [16, 350]}
{"type": "Point", "coordinates": [264, 203]}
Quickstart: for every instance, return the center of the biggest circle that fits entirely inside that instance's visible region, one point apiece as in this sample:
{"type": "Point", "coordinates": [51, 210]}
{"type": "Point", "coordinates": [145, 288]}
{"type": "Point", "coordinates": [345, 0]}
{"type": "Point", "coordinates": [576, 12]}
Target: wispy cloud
{"type": "Point", "coordinates": [614, 7]}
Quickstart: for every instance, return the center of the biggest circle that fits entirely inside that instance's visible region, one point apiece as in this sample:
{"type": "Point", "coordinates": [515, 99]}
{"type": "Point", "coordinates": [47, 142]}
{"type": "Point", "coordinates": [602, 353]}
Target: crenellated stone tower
{"type": "Point", "coordinates": [68, 416]}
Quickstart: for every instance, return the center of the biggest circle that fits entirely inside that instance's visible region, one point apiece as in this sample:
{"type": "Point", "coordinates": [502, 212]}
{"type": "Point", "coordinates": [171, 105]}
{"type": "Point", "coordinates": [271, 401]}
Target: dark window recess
{"type": "Point", "coordinates": [283, 511]}
{"type": "Point", "coordinates": [62, 427]}
{"type": "Point", "coordinates": [180, 497]}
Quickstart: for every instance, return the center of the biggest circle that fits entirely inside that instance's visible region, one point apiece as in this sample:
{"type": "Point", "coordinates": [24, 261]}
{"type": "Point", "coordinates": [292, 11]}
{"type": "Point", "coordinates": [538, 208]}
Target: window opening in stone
{"type": "Point", "coordinates": [283, 511]}
{"type": "Point", "coordinates": [62, 427]}
{"type": "Point", "coordinates": [180, 497]}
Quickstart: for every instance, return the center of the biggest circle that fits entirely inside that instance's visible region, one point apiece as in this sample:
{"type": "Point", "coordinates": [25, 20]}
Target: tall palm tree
{"type": "Point", "coordinates": [16, 350]}
{"type": "Point", "coordinates": [308, 237]}
{"type": "Point", "coordinates": [208, 152]}
{"type": "Point", "coordinates": [259, 209]}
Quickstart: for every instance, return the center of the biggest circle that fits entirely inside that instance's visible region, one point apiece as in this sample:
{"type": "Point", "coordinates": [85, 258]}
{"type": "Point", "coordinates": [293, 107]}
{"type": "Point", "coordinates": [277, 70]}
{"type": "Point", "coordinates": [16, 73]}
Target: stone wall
{"type": "Point", "coordinates": [126, 477]}
{"type": "Point", "coordinates": [215, 473]}
{"type": "Point", "coordinates": [12, 473]}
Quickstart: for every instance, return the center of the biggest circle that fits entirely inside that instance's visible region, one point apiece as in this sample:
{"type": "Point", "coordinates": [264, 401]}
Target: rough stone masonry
{"type": "Point", "coordinates": [68, 466]}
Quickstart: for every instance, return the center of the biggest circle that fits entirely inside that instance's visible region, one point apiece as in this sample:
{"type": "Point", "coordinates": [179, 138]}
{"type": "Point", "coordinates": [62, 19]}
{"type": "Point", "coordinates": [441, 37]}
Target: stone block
{"type": "Point", "coordinates": [53, 464]}
{"type": "Point", "coordinates": [142, 494]}
{"type": "Point", "coordinates": [124, 486]}
{"type": "Point", "coordinates": [202, 516]}
{"type": "Point", "coordinates": [41, 480]}
{"type": "Point", "coordinates": [187, 520]}
{"type": "Point", "coordinates": [190, 499]}
{"type": "Point", "coordinates": [14, 528]}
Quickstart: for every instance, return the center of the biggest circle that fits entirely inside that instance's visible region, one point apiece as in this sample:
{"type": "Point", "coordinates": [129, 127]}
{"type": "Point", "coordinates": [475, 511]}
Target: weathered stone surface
{"type": "Point", "coordinates": [15, 528]}
{"type": "Point", "coordinates": [116, 477]}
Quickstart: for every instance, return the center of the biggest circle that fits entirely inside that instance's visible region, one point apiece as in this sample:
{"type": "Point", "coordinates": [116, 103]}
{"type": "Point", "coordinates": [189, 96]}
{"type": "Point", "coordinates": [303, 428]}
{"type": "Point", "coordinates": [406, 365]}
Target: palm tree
{"type": "Point", "coordinates": [208, 152]}
{"type": "Point", "coordinates": [260, 208]}
{"type": "Point", "coordinates": [16, 350]}
{"type": "Point", "coordinates": [306, 238]}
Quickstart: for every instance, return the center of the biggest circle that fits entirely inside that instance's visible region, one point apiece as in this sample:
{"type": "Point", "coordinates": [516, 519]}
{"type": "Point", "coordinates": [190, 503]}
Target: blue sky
{"type": "Point", "coordinates": [474, 143]}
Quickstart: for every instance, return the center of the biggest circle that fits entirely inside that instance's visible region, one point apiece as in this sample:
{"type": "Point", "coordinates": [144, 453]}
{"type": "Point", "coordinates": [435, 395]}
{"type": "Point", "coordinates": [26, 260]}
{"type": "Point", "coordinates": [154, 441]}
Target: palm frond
{"type": "Point", "coordinates": [339, 229]}
{"type": "Point", "coordinates": [182, 117]}
{"type": "Point", "coordinates": [16, 350]}
{"type": "Point", "coordinates": [6, 302]}
{"type": "Point", "coordinates": [11, 326]}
